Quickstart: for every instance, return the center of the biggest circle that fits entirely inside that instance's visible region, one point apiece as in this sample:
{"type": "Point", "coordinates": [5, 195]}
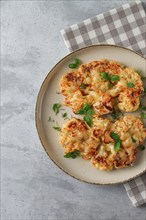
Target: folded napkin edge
{"type": "Point", "coordinates": [111, 11]}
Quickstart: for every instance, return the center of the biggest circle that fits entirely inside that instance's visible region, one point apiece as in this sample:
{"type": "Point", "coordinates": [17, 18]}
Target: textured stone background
{"type": "Point", "coordinates": [32, 186]}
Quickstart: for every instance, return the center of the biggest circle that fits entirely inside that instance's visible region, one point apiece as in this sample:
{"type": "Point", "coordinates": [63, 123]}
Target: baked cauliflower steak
{"type": "Point", "coordinates": [98, 88]}
{"type": "Point", "coordinates": [99, 83]}
{"type": "Point", "coordinates": [97, 144]}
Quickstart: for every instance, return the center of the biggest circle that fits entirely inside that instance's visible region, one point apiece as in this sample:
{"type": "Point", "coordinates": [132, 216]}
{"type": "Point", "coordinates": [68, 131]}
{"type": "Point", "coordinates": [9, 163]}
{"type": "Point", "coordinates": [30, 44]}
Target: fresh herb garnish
{"type": "Point", "coordinates": [84, 109]}
{"type": "Point", "coordinates": [139, 72]}
{"type": "Point", "coordinates": [117, 145]}
{"type": "Point", "coordinates": [116, 114]}
{"type": "Point", "coordinates": [106, 76]}
{"type": "Point", "coordinates": [80, 112]}
{"type": "Point", "coordinates": [114, 136]}
{"type": "Point", "coordinates": [144, 90]}
{"type": "Point", "coordinates": [88, 120]}
{"type": "Point", "coordinates": [73, 154]}
{"type": "Point", "coordinates": [133, 139]}
{"type": "Point", "coordinates": [50, 119]}
{"type": "Point", "coordinates": [75, 64]}
{"type": "Point", "coordinates": [140, 105]}
{"type": "Point", "coordinates": [143, 115]}
{"type": "Point", "coordinates": [83, 86]}
{"type": "Point", "coordinates": [144, 108]}
{"type": "Point", "coordinates": [117, 140]}
{"type": "Point", "coordinates": [64, 115]}
{"type": "Point", "coordinates": [130, 85]}
{"type": "Point", "coordinates": [114, 78]}
{"type": "Point", "coordinates": [77, 61]}
{"type": "Point", "coordinates": [141, 147]}
{"type": "Point", "coordinates": [57, 128]}
{"type": "Point", "coordinates": [72, 65]}
{"type": "Point", "coordinates": [56, 107]}
{"type": "Point", "coordinates": [87, 111]}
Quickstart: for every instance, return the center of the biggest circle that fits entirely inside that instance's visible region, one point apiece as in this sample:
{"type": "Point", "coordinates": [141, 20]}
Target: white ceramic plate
{"type": "Point", "coordinates": [79, 168]}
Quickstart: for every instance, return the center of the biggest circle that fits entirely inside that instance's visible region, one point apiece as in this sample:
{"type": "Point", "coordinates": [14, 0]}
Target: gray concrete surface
{"type": "Point", "coordinates": [32, 186]}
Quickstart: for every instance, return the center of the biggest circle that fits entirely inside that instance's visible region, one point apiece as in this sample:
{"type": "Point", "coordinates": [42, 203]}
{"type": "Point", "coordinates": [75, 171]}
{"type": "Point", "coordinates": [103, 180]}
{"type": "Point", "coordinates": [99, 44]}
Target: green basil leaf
{"type": "Point", "coordinates": [80, 112]}
{"type": "Point", "coordinates": [57, 128]}
{"type": "Point", "coordinates": [114, 78]}
{"type": "Point", "coordinates": [88, 120]}
{"type": "Point", "coordinates": [86, 106]}
{"type": "Point", "coordinates": [143, 115]}
{"type": "Point", "coordinates": [117, 145]}
{"type": "Point", "coordinates": [72, 154]}
{"type": "Point", "coordinates": [75, 64]}
{"type": "Point", "coordinates": [50, 119]}
{"type": "Point", "coordinates": [68, 155]}
{"type": "Point", "coordinates": [141, 147]}
{"type": "Point", "coordinates": [140, 105]}
{"type": "Point", "coordinates": [114, 136]}
{"type": "Point", "coordinates": [77, 61]}
{"type": "Point", "coordinates": [139, 72]}
{"type": "Point", "coordinates": [105, 75]}
{"type": "Point", "coordinates": [72, 65]}
{"type": "Point", "coordinates": [86, 109]}
{"type": "Point", "coordinates": [116, 114]}
{"type": "Point", "coordinates": [130, 85]}
{"type": "Point", "coordinates": [56, 107]}
{"type": "Point", "coordinates": [133, 139]}
{"type": "Point", "coordinates": [90, 112]}
{"type": "Point", "coordinates": [77, 152]}
{"type": "Point", "coordinates": [64, 115]}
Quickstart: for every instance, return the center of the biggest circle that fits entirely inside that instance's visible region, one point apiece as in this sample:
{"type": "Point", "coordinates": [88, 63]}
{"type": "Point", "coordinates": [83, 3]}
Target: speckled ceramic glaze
{"type": "Point", "coordinates": [79, 168]}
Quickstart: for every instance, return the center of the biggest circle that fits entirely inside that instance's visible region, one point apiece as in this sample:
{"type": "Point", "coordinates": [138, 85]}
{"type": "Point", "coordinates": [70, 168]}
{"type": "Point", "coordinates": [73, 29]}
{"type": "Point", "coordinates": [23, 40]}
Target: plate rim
{"type": "Point", "coordinates": [37, 122]}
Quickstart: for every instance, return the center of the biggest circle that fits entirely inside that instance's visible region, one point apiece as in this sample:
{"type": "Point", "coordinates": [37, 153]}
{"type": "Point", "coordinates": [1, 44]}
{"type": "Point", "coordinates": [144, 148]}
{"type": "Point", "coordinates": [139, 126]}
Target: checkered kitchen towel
{"type": "Point", "coordinates": [125, 26]}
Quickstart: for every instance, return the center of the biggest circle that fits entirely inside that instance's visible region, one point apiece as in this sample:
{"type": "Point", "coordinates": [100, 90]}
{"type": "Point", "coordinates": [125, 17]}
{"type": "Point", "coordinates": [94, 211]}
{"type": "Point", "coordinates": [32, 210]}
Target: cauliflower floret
{"type": "Point", "coordinates": [95, 142]}
{"type": "Point", "coordinates": [87, 84]}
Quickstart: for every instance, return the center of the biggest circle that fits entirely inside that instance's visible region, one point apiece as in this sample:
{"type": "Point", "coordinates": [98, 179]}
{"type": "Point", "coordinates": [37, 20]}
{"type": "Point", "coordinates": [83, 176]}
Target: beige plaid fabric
{"type": "Point", "coordinates": [124, 26]}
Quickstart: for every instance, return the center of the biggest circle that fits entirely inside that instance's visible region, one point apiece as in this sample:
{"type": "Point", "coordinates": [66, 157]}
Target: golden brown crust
{"type": "Point", "coordinates": [96, 144]}
{"type": "Point", "coordinates": [87, 85]}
